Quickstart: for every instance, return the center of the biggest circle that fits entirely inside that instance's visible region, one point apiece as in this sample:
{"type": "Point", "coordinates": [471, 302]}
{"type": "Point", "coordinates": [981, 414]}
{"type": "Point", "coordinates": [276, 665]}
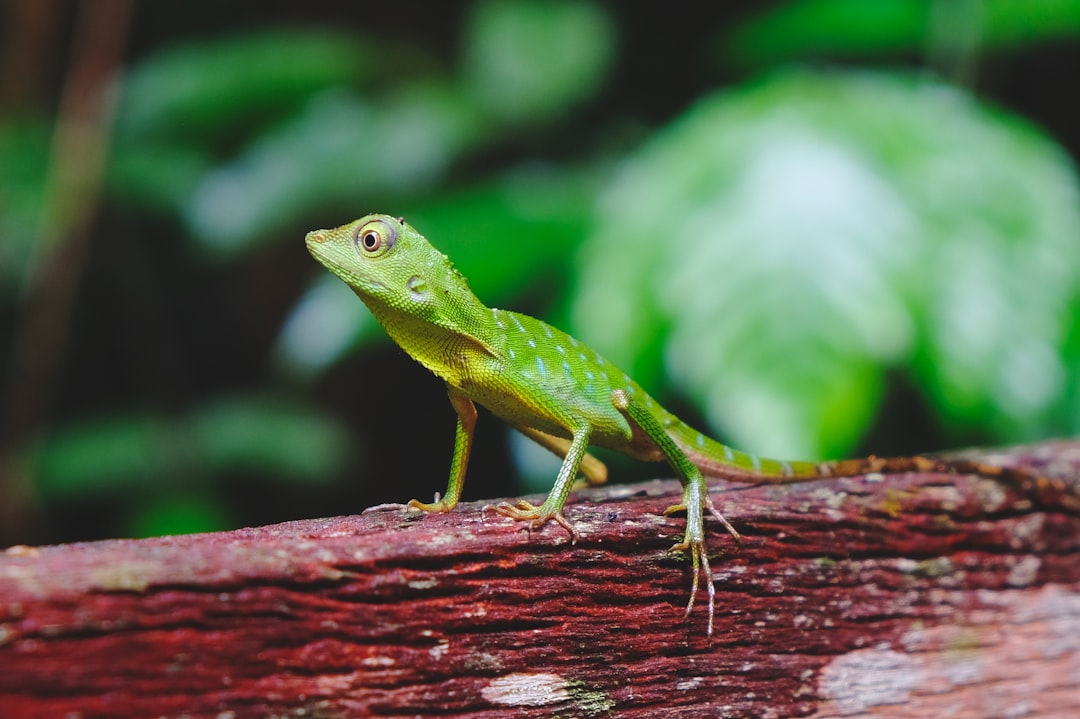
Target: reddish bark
{"type": "Point", "coordinates": [913, 595]}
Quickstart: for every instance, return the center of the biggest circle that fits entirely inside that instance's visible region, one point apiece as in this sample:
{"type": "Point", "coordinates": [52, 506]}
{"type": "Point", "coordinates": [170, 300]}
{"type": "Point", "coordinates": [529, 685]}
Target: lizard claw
{"type": "Point", "coordinates": [520, 510]}
{"type": "Point", "coordinates": [523, 511]}
{"type": "Point", "coordinates": [699, 556]}
{"type": "Point", "coordinates": [723, 521]}
{"type": "Point", "coordinates": [700, 559]}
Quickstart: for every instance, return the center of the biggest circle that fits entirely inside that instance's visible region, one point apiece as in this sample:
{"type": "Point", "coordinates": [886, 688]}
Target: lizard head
{"type": "Point", "coordinates": [387, 262]}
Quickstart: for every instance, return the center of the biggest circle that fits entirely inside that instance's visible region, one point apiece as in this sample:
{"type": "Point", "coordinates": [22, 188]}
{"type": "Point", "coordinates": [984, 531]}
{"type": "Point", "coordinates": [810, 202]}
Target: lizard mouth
{"type": "Point", "coordinates": [314, 242]}
{"type": "Point", "coordinates": [315, 245]}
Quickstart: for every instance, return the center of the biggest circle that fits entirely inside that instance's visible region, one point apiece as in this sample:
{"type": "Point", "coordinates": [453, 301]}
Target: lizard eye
{"type": "Point", "coordinates": [375, 237]}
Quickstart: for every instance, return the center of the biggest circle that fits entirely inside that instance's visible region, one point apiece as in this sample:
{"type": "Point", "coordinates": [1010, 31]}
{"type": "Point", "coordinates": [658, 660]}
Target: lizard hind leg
{"type": "Point", "coordinates": [695, 497]}
{"type": "Point", "coordinates": [594, 471]}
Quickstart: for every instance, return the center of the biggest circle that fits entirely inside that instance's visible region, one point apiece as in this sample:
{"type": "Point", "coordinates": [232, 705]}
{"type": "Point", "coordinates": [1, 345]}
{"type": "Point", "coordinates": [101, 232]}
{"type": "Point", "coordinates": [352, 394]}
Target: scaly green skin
{"type": "Point", "coordinates": [548, 385]}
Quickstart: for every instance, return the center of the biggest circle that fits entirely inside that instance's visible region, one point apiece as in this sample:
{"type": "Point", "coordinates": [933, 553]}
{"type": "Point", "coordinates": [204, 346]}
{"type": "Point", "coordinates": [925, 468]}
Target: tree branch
{"type": "Point", "coordinates": [914, 595]}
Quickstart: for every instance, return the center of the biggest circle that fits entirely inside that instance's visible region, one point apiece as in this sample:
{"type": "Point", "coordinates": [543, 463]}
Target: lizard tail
{"type": "Point", "coordinates": [723, 462]}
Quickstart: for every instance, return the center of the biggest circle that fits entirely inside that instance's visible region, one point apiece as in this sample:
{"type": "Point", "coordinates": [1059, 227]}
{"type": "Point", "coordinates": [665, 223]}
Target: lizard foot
{"type": "Point", "coordinates": [681, 507]}
{"type": "Point", "coordinates": [700, 559]}
{"type": "Point", "coordinates": [439, 505]}
{"type": "Point", "coordinates": [674, 509]}
{"type": "Point", "coordinates": [523, 511]}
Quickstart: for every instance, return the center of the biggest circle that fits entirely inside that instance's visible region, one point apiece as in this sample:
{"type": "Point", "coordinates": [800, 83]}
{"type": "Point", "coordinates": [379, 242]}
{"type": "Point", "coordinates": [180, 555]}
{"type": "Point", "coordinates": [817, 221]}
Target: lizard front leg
{"type": "Point", "coordinates": [552, 507]}
{"type": "Point", "coordinates": [695, 497]}
{"type": "Point", "coordinates": [463, 437]}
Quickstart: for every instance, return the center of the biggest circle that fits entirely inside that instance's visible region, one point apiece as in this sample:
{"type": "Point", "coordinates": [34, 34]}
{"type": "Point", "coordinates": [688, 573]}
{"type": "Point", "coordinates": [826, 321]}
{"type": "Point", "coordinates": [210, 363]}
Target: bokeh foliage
{"type": "Point", "coordinates": [811, 228]}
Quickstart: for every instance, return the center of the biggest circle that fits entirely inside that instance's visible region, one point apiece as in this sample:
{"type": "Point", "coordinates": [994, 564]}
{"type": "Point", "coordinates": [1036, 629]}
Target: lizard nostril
{"type": "Point", "coordinates": [316, 237]}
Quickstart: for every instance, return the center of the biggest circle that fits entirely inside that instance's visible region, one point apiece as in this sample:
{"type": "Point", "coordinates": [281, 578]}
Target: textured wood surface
{"type": "Point", "coordinates": [917, 595]}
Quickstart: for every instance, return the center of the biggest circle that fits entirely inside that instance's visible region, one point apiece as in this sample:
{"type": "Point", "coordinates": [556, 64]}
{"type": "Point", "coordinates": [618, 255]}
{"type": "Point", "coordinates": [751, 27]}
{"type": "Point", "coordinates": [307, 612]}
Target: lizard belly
{"type": "Point", "coordinates": [555, 408]}
{"type": "Point", "coordinates": [536, 375]}
{"type": "Point", "coordinates": [559, 410]}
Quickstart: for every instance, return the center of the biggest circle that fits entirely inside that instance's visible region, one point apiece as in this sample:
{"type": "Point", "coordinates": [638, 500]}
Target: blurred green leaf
{"type": "Point", "coordinates": [172, 513]}
{"type": "Point", "coordinates": [528, 61]}
{"type": "Point", "coordinates": [1025, 22]}
{"type": "Point", "coordinates": [507, 233]}
{"type": "Point", "coordinates": [105, 455]}
{"type": "Point", "coordinates": [804, 28]}
{"type": "Point", "coordinates": [794, 241]}
{"type": "Point", "coordinates": [158, 176]}
{"type": "Point", "coordinates": [338, 153]}
{"type": "Point", "coordinates": [325, 324]}
{"type": "Point", "coordinates": [24, 152]}
{"type": "Point", "coordinates": [205, 91]}
{"type": "Point", "coordinates": [182, 107]}
{"type": "Point", "coordinates": [308, 143]}
{"type": "Point", "coordinates": [1071, 409]}
{"type": "Point", "coordinates": [275, 438]}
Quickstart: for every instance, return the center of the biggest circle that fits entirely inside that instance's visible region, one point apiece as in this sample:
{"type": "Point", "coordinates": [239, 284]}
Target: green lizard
{"type": "Point", "coordinates": [550, 387]}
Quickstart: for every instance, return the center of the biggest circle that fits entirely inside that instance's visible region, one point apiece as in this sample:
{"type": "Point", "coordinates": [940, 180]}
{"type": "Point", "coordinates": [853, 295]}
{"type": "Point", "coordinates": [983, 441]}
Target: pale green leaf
{"type": "Point", "coordinates": [198, 90]}
{"type": "Point", "coordinates": [338, 152]}
{"type": "Point", "coordinates": [528, 61]}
